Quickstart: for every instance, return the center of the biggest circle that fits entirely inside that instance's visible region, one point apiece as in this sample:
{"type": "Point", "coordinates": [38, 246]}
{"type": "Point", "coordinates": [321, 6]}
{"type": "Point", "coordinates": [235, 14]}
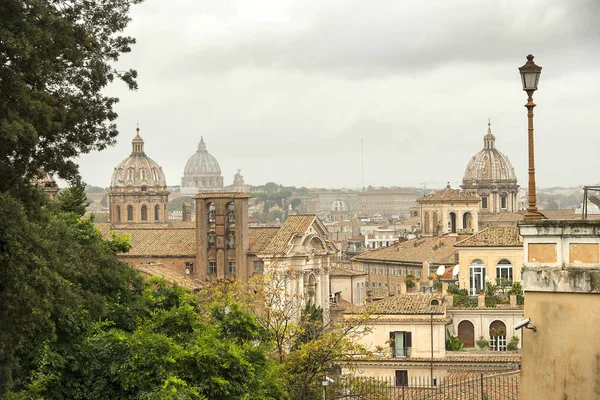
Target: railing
{"type": "Point", "coordinates": [498, 343]}
{"type": "Point", "coordinates": [400, 352]}
{"type": "Point", "coordinates": [472, 386]}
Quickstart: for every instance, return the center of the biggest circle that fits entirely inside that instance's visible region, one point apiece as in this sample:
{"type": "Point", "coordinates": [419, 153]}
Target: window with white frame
{"type": "Point", "coordinates": [504, 272]}
{"type": "Point", "coordinates": [476, 277]}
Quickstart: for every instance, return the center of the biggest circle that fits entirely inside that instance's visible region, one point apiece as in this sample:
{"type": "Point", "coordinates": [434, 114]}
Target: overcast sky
{"type": "Point", "coordinates": [285, 90]}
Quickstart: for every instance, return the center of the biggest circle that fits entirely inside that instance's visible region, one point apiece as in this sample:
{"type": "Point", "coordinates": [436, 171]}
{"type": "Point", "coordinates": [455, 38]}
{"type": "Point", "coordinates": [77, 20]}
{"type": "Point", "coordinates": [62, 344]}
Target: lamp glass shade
{"type": "Point", "coordinates": [530, 74]}
{"type": "Point", "coordinates": [530, 80]}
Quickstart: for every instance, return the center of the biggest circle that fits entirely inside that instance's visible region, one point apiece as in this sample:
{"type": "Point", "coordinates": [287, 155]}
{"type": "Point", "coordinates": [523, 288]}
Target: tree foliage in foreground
{"type": "Point", "coordinates": [79, 324]}
{"type": "Point", "coordinates": [56, 57]}
{"type": "Point", "coordinates": [306, 343]}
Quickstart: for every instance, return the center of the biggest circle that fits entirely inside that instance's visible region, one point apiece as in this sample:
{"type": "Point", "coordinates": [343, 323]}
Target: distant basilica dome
{"type": "Point", "coordinates": [339, 205]}
{"type": "Point", "coordinates": [138, 169]}
{"type": "Point", "coordinates": [202, 173]}
{"type": "Point", "coordinates": [491, 176]}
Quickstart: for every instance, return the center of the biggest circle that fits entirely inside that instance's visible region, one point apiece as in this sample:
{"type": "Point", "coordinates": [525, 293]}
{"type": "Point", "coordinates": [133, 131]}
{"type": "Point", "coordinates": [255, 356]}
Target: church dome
{"type": "Point", "coordinates": [202, 162]}
{"type": "Point", "coordinates": [339, 205]}
{"type": "Point", "coordinates": [138, 169]}
{"type": "Point", "coordinates": [489, 164]}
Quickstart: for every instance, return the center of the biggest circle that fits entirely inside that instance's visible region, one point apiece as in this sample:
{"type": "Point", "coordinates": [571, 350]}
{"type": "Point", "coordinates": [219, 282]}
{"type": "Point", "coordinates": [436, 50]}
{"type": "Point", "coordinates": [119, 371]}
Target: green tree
{"type": "Point", "coordinates": [56, 57]}
{"type": "Point", "coordinates": [58, 274]}
{"type": "Point", "coordinates": [295, 203]}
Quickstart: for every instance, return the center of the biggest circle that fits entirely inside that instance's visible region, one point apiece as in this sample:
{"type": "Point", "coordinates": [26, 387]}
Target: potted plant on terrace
{"type": "Point", "coordinates": [410, 282]}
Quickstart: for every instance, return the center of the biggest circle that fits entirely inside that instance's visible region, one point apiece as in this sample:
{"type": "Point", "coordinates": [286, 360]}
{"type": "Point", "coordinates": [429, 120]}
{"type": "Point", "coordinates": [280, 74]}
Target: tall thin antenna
{"type": "Point", "coordinates": [362, 166]}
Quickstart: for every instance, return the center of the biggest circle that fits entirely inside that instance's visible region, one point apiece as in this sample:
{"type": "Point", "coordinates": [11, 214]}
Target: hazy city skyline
{"type": "Point", "coordinates": [286, 90]}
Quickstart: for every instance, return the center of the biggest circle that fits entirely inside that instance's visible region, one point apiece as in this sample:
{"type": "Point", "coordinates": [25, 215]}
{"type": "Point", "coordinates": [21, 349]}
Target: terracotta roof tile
{"type": "Point", "coordinates": [410, 303]}
{"type": "Point", "coordinates": [439, 249]}
{"type": "Point", "coordinates": [259, 237]}
{"type": "Point", "coordinates": [448, 194]}
{"type": "Point", "coordinates": [295, 224]}
{"type": "Point", "coordinates": [156, 241]}
{"type": "Point", "coordinates": [170, 275]}
{"type": "Point", "coordinates": [494, 236]}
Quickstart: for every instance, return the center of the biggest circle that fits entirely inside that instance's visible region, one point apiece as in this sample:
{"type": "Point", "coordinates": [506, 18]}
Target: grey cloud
{"type": "Point", "coordinates": [359, 38]}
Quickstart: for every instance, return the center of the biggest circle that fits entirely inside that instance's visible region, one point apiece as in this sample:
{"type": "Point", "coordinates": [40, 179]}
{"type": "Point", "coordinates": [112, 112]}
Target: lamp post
{"type": "Point", "coordinates": [530, 76]}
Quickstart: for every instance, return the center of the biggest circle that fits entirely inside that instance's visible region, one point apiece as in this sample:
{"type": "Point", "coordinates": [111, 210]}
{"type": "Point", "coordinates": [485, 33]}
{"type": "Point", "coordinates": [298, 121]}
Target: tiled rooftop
{"type": "Point", "coordinates": [170, 275]}
{"type": "Point", "coordinates": [410, 303]}
{"type": "Point", "coordinates": [156, 242]}
{"type": "Point", "coordinates": [295, 224]}
{"type": "Point", "coordinates": [494, 236]}
{"type": "Point", "coordinates": [259, 237]}
{"type": "Point", "coordinates": [448, 194]}
{"type": "Point", "coordinates": [439, 249]}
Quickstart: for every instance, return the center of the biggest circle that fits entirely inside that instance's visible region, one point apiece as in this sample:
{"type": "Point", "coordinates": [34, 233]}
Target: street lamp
{"type": "Point", "coordinates": [530, 76]}
{"type": "Point", "coordinates": [326, 381]}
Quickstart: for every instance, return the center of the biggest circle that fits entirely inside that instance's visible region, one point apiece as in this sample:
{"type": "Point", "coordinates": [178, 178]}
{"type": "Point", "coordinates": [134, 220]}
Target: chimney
{"type": "Point", "coordinates": [449, 299]}
{"type": "Point", "coordinates": [186, 210]}
{"type": "Point", "coordinates": [425, 273]}
{"type": "Point", "coordinates": [513, 299]}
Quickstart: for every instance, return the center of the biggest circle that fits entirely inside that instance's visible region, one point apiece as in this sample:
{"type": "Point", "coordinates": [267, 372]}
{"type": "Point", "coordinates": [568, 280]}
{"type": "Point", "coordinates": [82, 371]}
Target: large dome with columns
{"type": "Point", "coordinates": [138, 189]}
{"type": "Point", "coordinates": [489, 164]}
{"type": "Point", "coordinates": [138, 169]}
{"type": "Point", "coordinates": [202, 173]}
{"type": "Point", "coordinates": [491, 176]}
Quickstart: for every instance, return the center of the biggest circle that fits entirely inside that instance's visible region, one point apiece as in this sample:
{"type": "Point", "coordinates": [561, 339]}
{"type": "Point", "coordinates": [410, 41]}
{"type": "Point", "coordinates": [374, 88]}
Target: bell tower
{"type": "Point", "coordinates": [222, 235]}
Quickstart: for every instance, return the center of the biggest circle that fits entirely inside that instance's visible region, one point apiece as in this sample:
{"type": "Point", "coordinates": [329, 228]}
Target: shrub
{"type": "Point", "coordinates": [482, 343]}
{"type": "Point", "coordinates": [452, 288]}
{"type": "Point", "coordinates": [513, 344]}
{"type": "Point", "coordinates": [453, 343]}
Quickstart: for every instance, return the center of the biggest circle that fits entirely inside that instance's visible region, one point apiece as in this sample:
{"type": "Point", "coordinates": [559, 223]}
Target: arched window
{"type": "Point", "coordinates": [467, 221]}
{"type": "Point", "coordinates": [466, 333]}
{"type": "Point", "coordinates": [129, 213]}
{"type": "Point", "coordinates": [426, 223]}
{"type": "Point", "coordinates": [118, 212]}
{"type": "Point", "coordinates": [231, 213]}
{"type": "Point", "coordinates": [476, 277]}
{"type": "Point", "coordinates": [504, 273]}
{"type": "Point", "coordinates": [231, 240]}
{"type": "Point", "coordinates": [435, 223]}
{"type": "Point", "coordinates": [452, 222]}
{"type": "Point", "coordinates": [484, 202]}
{"type": "Point", "coordinates": [156, 212]}
{"type": "Point", "coordinates": [311, 290]}
{"type": "Point", "coordinates": [144, 213]}
{"type": "Point", "coordinates": [503, 200]}
{"type": "Point", "coordinates": [212, 239]}
{"type": "Point", "coordinates": [212, 213]}
{"type": "Point", "coordinates": [498, 336]}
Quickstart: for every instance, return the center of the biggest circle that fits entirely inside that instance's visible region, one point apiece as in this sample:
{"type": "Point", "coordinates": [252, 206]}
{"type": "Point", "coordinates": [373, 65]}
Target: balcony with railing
{"type": "Point", "coordinates": [400, 352]}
